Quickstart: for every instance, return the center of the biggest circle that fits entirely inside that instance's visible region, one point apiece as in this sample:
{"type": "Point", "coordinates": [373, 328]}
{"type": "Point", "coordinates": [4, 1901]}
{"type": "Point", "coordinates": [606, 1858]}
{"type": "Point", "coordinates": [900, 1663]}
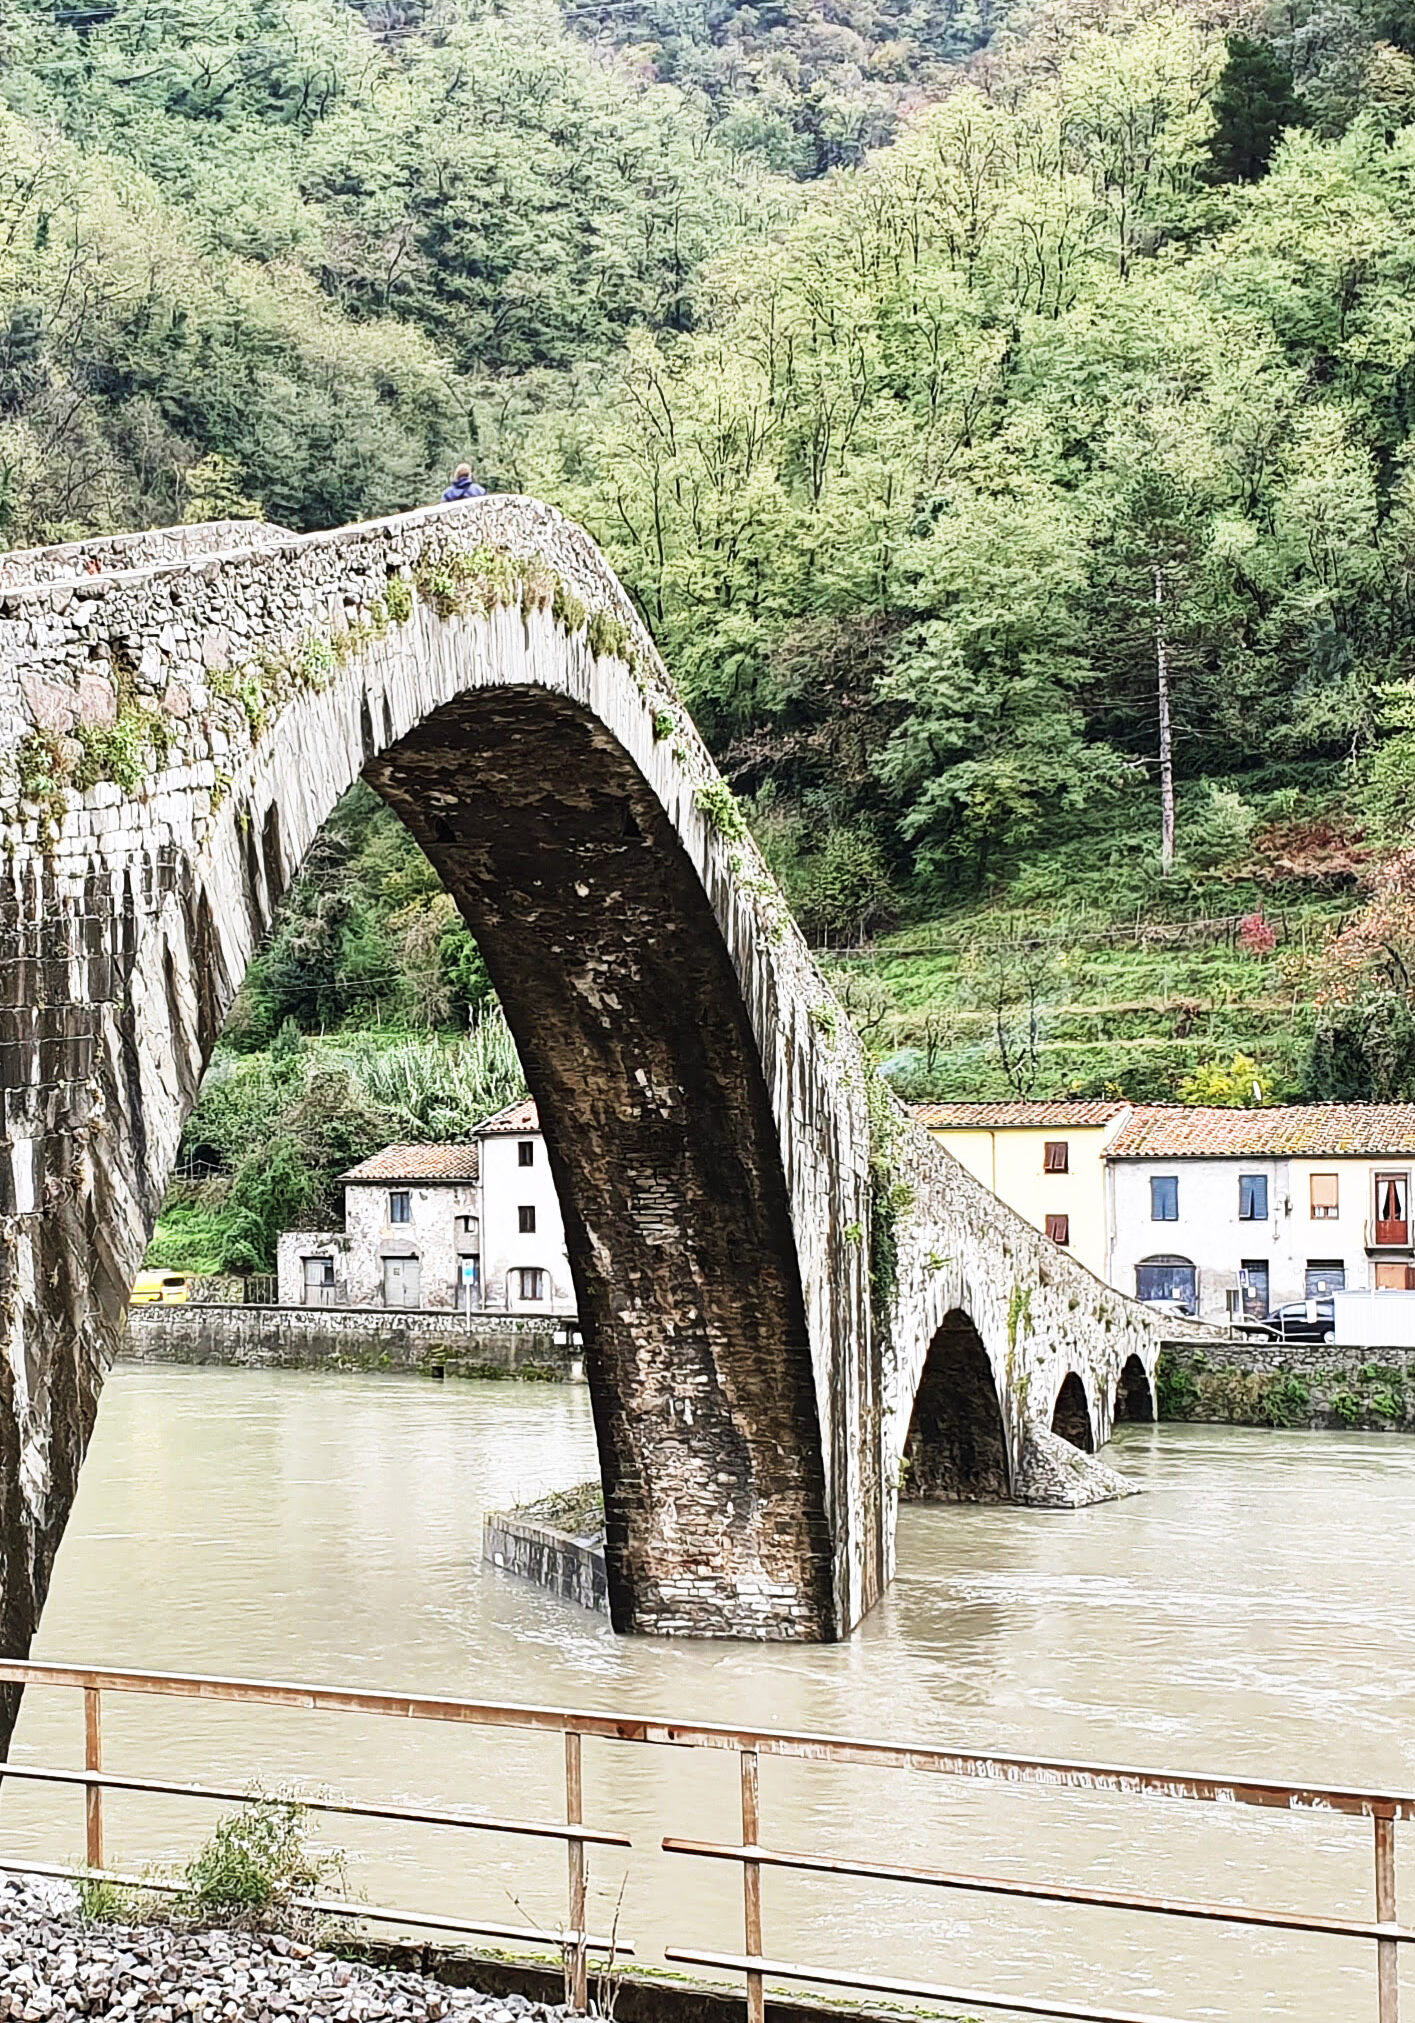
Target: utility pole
{"type": "Point", "coordinates": [1166, 740]}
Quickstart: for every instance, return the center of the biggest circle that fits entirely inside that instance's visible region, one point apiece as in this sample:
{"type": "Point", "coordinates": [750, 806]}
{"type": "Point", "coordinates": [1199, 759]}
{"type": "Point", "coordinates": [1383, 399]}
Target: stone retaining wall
{"type": "Point", "coordinates": [1303, 1384]}
{"type": "Point", "coordinates": [570, 1567]}
{"type": "Point", "coordinates": [325, 1338]}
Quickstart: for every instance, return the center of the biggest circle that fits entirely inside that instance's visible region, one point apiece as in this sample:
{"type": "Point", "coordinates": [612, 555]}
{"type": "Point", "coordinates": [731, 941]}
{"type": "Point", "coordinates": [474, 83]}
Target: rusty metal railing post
{"type": "Point", "coordinates": [752, 1881]}
{"type": "Point", "coordinates": [577, 1955]}
{"type": "Point", "coordinates": [1387, 1950]}
{"type": "Point", "coordinates": [93, 1760]}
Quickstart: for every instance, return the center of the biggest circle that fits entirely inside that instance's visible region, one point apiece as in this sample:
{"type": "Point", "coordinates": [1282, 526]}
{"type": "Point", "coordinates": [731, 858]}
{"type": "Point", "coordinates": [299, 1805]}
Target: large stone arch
{"type": "Point", "coordinates": [630, 1022]}
{"type": "Point", "coordinates": [765, 1247]}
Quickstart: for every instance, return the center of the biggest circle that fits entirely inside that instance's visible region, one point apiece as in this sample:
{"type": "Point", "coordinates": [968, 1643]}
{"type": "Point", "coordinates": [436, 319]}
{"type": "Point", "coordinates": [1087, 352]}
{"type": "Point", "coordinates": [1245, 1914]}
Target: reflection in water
{"type": "Point", "coordinates": [1248, 1613]}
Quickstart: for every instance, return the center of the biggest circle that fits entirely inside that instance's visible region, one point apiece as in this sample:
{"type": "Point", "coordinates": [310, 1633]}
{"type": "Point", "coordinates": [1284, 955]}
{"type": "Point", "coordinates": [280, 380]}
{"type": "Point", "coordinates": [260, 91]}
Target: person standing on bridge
{"type": "Point", "coordinates": [463, 486]}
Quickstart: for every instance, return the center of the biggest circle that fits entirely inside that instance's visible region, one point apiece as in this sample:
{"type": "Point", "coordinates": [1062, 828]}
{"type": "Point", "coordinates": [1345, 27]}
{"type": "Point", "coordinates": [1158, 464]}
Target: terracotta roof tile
{"type": "Point", "coordinates": [1076, 1112]}
{"type": "Point", "coordinates": [514, 1121]}
{"type": "Point", "coordinates": [445, 1163]}
{"type": "Point", "coordinates": [1300, 1130]}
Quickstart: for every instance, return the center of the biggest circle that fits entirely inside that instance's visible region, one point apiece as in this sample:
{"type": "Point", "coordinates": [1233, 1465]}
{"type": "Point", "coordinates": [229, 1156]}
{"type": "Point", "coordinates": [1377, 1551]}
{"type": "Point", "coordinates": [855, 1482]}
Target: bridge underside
{"type": "Point", "coordinates": [630, 1023]}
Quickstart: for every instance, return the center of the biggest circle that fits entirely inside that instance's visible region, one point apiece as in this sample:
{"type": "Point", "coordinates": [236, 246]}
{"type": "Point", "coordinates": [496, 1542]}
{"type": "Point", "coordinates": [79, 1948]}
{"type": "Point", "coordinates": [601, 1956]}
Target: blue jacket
{"type": "Point", "coordinates": [463, 488]}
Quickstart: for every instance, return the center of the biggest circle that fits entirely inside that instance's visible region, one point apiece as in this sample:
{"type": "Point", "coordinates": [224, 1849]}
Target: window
{"type": "Point", "coordinates": [1325, 1197]}
{"type": "Point", "coordinates": [1059, 1228]}
{"type": "Point", "coordinates": [1056, 1156]}
{"type": "Point", "coordinates": [532, 1283]}
{"type": "Point", "coordinates": [1395, 1277]}
{"type": "Point", "coordinates": [1164, 1199]}
{"type": "Point", "coordinates": [467, 1225]}
{"type": "Point", "coordinates": [1168, 1281]}
{"type": "Point", "coordinates": [1393, 1209]}
{"type": "Point", "coordinates": [400, 1208]}
{"type": "Point", "coordinates": [319, 1271]}
{"type": "Point", "coordinates": [1325, 1275]}
{"type": "Point", "coordinates": [526, 1221]}
{"type": "Point", "coordinates": [526, 1152]}
{"type": "Point", "coordinates": [1252, 1197]}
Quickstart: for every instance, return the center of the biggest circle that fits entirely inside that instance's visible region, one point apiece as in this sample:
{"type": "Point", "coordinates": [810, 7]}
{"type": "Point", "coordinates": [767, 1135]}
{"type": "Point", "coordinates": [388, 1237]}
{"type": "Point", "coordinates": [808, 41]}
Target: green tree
{"type": "Point", "coordinates": [1254, 104]}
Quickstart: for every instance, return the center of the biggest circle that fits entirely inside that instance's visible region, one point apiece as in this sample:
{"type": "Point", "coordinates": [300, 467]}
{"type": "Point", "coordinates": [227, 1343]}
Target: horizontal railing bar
{"type": "Point", "coordinates": [339, 1907]}
{"type": "Point", "coordinates": [1050, 1771]}
{"type": "Point", "coordinates": [1054, 1893]}
{"type": "Point", "coordinates": [109, 1780]}
{"type": "Point", "coordinates": [926, 1991]}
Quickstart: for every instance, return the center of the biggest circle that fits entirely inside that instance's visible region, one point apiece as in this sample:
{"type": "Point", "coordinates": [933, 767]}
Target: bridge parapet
{"type": "Point", "coordinates": [765, 1248]}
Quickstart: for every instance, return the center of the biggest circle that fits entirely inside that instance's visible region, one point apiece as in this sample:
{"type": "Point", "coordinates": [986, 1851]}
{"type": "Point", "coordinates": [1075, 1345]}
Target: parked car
{"type": "Point", "coordinates": [160, 1288]}
{"type": "Point", "coordinates": [1303, 1320]}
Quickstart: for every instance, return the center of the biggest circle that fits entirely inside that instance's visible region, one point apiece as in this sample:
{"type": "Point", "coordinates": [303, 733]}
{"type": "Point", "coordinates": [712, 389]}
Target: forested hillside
{"type": "Point", "coordinates": [1002, 417]}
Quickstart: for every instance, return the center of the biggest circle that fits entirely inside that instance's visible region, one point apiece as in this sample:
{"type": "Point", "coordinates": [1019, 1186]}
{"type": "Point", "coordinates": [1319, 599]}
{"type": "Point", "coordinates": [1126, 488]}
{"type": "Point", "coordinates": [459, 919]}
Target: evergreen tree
{"type": "Point", "coordinates": [1253, 102]}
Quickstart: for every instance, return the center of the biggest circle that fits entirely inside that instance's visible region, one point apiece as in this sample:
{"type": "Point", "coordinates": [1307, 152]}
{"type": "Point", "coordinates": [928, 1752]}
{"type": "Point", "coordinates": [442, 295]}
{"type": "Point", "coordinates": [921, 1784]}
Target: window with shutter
{"type": "Point", "coordinates": [1059, 1228]}
{"type": "Point", "coordinates": [1056, 1156]}
{"type": "Point", "coordinates": [1325, 1197]}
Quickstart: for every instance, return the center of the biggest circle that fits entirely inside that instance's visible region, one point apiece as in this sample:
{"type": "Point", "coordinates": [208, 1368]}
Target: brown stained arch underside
{"type": "Point", "coordinates": [1072, 1417]}
{"type": "Point", "coordinates": [1134, 1398]}
{"type": "Point", "coordinates": [956, 1451]}
{"type": "Point", "coordinates": [636, 1043]}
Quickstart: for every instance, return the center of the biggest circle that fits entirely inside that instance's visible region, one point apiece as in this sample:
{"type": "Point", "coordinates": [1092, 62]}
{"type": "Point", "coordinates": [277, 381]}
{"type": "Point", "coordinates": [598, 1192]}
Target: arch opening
{"type": "Point", "coordinates": [1134, 1398]}
{"type": "Point", "coordinates": [627, 1011]}
{"type": "Point", "coordinates": [1072, 1415]}
{"type": "Point", "coordinates": [956, 1451]}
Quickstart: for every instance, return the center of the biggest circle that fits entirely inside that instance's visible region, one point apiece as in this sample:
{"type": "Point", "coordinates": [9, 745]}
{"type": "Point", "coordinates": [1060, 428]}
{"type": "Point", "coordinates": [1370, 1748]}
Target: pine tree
{"type": "Point", "coordinates": [1253, 102]}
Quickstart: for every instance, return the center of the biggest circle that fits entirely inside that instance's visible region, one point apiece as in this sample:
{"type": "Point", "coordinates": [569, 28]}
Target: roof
{"type": "Point", "coordinates": [1078, 1114]}
{"type": "Point", "coordinates": [514, 1121]}
{"type": "Point", "coordinates": [1300, 1130]}
{"type": "Point", "coordinates": [444, 1165]}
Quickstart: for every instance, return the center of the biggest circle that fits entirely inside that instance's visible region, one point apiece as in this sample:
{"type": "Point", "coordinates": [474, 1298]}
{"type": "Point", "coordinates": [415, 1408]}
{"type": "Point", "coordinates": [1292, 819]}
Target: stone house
{"type": "Point", "coordinates": [474, 1228]}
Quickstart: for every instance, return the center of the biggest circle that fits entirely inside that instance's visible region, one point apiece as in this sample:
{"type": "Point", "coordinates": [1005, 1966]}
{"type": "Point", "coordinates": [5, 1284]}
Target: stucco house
{"type": "Point", "coordinates": [1045, 1159]}
{"type": "Point", "coordinates": [474, 1228]}
{"type": "Point", "coordinates": [1222, 1212]}
{"type": "Point", "coordinates": [1233, 1211]}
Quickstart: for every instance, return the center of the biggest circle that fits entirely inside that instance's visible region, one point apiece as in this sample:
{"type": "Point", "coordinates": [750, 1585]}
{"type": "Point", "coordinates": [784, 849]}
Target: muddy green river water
{"type": "Point", "coordinates": [1252, 1612]}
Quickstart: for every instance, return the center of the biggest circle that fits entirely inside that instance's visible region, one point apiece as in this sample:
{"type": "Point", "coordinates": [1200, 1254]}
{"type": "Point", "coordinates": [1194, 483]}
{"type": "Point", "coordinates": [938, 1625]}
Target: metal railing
{"type": "Point", "coordinates": [751, 1854]}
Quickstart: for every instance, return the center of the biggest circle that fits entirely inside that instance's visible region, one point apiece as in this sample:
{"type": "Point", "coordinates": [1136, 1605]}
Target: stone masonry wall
{"type": "Point", "coordinates": [1305, 1384]}
{"type": "Point", "coordinates": [569, 1567]}
{"type": "Point", "coordinates": [325, 1338]}
{"type": "Point", "coordinates": [763, 1244]}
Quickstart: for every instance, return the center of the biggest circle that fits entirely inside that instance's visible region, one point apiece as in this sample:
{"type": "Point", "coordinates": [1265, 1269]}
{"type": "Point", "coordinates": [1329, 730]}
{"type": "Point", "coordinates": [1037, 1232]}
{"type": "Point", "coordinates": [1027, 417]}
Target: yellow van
{"type": "Point", "coordinates": [160, 1289]}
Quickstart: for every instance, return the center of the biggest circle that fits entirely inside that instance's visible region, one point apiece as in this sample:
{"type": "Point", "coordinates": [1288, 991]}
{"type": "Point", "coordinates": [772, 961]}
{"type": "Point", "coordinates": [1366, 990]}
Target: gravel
{"type": "Point", "coordinates": [54, 1966]}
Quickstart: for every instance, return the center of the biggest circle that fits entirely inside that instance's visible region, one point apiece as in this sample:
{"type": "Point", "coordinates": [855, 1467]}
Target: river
{"type": "Point", "coordinates": [1252, 1611]}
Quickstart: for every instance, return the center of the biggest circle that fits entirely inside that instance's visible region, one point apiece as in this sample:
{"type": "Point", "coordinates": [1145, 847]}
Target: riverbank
{"type": "Point", "coordinates": [416, 1342]}
{"type": "Point", "coordinates": [1315, 1386]}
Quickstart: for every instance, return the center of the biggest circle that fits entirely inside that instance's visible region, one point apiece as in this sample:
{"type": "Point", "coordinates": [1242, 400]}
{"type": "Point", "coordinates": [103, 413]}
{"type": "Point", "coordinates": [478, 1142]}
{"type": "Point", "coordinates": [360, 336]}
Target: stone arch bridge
{"type": "Point", "coordinates": [775, 1267]}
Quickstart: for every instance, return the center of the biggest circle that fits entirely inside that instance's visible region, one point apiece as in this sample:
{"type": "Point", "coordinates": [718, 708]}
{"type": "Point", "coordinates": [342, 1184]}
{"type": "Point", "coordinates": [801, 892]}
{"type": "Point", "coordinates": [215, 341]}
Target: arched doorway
{"type": "Point", "coordinates": [1072, 1416]}
{"type": "Point", "coordinates": [956, 1451]}
{"type": "Point", "coordinates": [1134, 1399]}
{"type": "Point", "coordinates": [1169, 1282]}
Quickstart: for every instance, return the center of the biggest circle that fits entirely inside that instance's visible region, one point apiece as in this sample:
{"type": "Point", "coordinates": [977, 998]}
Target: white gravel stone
{"type": "Point", "coordinates": [53, 1966]}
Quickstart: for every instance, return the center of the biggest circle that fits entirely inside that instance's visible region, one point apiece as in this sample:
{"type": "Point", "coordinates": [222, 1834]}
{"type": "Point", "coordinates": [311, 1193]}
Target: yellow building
{"type": "Point", "coordinates": [1045, 1159]}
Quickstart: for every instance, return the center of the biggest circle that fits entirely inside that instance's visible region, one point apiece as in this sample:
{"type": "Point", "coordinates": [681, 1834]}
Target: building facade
{"type": "Point", "coordinates": [471, 1228]}
{"type": "Point", "coordinates": [1045, 1159]}
{"type": "Point", "coordinates": [1224, 1213]}
{"type": "Point", "coordinates": [1237, 1212]}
